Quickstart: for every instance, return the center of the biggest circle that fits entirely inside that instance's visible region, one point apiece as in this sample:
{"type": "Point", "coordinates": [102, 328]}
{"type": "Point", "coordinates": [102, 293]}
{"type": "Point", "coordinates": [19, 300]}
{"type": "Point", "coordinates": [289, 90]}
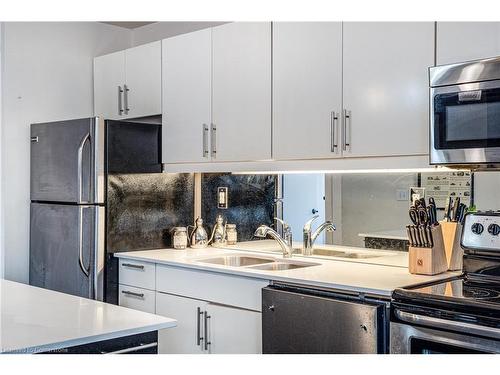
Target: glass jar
{"type": "Point", "coordinates": [231, 234]}
{"type": "Point", "coordinates": [180, 238]}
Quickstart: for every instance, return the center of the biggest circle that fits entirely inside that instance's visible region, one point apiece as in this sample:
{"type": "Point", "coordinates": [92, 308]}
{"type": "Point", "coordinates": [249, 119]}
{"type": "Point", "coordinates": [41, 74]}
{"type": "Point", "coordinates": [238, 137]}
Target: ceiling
{"type": "Point", "coordinates": [129, 25]}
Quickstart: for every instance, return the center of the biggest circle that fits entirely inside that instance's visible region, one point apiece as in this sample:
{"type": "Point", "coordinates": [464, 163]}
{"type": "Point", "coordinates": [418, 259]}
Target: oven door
{"type": "Point", "coordinates": [438, 336]}
{"type": "Point", "coordinates": [465, 123]}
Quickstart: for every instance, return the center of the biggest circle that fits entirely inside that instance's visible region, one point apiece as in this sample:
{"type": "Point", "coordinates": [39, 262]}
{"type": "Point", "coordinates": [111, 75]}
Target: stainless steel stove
{"type": "Point", "coordinates": [460, 315]}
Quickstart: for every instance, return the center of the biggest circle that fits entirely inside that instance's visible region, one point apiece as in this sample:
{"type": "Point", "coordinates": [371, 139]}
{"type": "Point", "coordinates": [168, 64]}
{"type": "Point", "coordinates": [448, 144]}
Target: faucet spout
{"type": "Point", "coordinates": [310, 237]}
{"type": "Point", "coordinates": [263, 231]}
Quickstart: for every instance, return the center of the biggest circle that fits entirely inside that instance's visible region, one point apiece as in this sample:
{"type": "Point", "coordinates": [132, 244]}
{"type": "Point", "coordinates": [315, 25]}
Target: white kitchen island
{"type": "Point", "coordinates": [35, 320]}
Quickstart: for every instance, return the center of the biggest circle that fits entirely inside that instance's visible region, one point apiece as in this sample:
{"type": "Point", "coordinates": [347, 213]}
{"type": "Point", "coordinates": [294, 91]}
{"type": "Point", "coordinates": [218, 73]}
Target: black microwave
{"type": "Point", "coordinates": [465, 114]}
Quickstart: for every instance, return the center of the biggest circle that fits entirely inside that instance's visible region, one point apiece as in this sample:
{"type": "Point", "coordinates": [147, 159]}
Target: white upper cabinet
{"type": "Point", "coordinates": [187, 93]}
{"type": "Point", "coordinates": [241, 89]}
{"type": "Point", "coordinates": [385, 88]}
{"type": "Point", "coordinates": [109, 77]}
{"type": "Point", "coordinates": [143, 80]}
{"type": "Point", "coordinates": [464, 41]}
{"type": "Point", "coordinates": [127, 84]}
{"type": "Point", "coordinates": [307, 90]}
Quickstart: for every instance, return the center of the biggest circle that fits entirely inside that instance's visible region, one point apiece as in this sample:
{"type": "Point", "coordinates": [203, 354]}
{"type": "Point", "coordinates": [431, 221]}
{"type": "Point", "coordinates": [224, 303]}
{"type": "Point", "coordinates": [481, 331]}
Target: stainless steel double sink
{"type": "Point", "coordinates": [255, 262]}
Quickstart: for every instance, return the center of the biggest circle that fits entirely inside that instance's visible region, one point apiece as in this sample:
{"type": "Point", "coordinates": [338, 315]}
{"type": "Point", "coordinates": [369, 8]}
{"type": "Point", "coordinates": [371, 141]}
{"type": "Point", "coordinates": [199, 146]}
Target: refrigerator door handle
{"type": "Point", "coordinates": [99, 254]}
{"type": "Point", "coordinates": [80, 166]}
{"type": "Point", "coordinates": [85, 270]}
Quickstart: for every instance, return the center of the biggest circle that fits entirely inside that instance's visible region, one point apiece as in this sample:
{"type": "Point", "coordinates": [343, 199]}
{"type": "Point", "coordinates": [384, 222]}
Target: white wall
{"type": "Point", "coordinates": [162, 30]}
{"type": "Point", "coordinates": [486, 190]}
{"type": "Point", "coordinates": [369, 204]}
{"type": "Point", "coordinates": [47, 75]}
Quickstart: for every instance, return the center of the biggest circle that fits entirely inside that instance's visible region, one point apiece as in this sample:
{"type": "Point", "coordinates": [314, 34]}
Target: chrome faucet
{"type": "Point", "coordinates": [310, 237]}
{"type": "Point", "coordinates": [263, 231]}
{"type": "Point", "coordinates": [287, 231]}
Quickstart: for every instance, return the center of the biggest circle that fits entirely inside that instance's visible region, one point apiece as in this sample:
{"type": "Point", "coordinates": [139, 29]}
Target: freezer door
{"type": "Point", "coordinates": [67, 248]}
{"type": "Point", "coordinates": [67, 161]}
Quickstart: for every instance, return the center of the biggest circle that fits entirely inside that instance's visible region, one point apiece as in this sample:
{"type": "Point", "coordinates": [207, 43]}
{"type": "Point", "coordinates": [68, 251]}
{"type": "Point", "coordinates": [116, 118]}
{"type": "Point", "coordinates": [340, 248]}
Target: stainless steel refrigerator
{"type": "Point", "coordinates": [70, 161]}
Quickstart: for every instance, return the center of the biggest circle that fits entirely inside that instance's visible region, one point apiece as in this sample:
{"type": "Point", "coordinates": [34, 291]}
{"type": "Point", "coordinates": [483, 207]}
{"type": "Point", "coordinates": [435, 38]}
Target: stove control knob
{"type": "Point", "coordinates": [494, 229]}
{"type": "Point", "coordinates": [477, 228]}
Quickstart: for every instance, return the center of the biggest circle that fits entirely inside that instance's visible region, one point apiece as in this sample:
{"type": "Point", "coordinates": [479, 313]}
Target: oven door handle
{"type": "Point", "coordinates": [448, 324]}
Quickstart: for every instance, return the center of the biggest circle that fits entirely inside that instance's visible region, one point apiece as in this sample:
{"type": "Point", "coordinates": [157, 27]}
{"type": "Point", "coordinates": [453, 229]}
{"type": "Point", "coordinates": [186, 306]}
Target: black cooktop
{"type": "Point", "coordinates": [464, 296]}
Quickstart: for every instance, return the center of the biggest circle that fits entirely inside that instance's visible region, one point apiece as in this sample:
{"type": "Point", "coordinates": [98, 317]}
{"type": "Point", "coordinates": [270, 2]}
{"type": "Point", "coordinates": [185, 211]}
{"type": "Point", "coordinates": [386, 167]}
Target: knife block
{"type": "Point", "coordinates": [429, 260]}
{"type": "Point", "coordinates": [452, 232]}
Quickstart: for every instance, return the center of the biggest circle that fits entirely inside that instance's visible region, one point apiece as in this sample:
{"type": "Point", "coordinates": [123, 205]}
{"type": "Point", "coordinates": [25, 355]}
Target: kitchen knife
{"type": "Point", "coordinates": [418, 240]}
{"type": "Point", "coordinates": [410, 237]}
{"type": "Point", "coordinates": [429, 236]}
{"type": "Point", "coordinates": [423, 235]}
{"type": "Point", "coordinates": [454, 211]}
{"type": "Point", "coordinates": [447, 209]}
{"type": "Point", "coordinates": [462, 211]}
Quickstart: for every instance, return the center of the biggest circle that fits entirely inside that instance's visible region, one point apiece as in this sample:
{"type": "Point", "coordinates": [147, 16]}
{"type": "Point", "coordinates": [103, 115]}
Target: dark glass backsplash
{"type": "Point", "coordinates": [250, 201]}
{"type": "Point", "coordinates": [143, 208]}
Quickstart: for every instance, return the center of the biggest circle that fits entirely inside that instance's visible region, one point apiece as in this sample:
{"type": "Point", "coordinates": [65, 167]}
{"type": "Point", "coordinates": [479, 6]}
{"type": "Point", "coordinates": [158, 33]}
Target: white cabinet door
{"type": "Point", "coordinates": [233, 330]}
{"type": "Point", "coordinates": [386, 87]}
{"type": "Point", "coordinates": [242, 91]}
{"type": "Point", "coordinates": [182, 339]}
{"type": "Point", "coordinates": [187, 91]}
{"type": "Point", "coordinates": [307, 89]}
{"type": "Point", "coordinates": [463, 41]}
{"type": "Point", "coordinates": [143, 79]}
{"type": "Point", "coordinates": [109, 78]}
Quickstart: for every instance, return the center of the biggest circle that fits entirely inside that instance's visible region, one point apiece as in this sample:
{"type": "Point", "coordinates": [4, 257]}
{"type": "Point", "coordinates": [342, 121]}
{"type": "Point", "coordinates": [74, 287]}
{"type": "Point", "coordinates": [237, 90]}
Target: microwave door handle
{"type": "Point", "coordinates": [80, 167]}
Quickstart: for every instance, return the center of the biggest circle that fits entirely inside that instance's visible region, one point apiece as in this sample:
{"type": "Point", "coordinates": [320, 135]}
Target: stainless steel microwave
{"type": "Point", "coordinates": [465, 114]}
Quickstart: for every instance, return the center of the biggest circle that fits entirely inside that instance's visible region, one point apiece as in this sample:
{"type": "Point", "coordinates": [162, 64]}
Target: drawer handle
{"type": "Point", "coordinates": [138, 266]}
{"type": "Point", "coordinates": [128, 292]}
{"type": "Point", "coordinates": [133, 349]}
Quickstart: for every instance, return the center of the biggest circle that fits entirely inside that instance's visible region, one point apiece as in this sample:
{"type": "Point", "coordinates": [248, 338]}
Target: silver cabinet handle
{"type": "Point", "coordinates": [85, 270]}
{"type": "Point", "coordinates": [333, 132]}
{"type": "Point", "coordinates": [199, 339]}
{"type": "Point", "coordinates": [80, 166]}
{"type": "Point", "coordinates": [213, 140]}
{"type": "Point", "coordinates": [34, 139]}
{"type": "Point", "coordinates": [133, 349]}
{"type": "Point", "coordinates": [125, 98]}
{"type": "Point", "coordinates": [205, 131]}
{"type": "Point", "coordinates": [138, 266]}
{"type": "Point", "coordinates": [347, 129]}
{"type": "Point", "coordinates": [120, 105]}
{"type": "Point", "coordinates": [206, 317]}
{"type": "Point", "coordinates": [129, 293]}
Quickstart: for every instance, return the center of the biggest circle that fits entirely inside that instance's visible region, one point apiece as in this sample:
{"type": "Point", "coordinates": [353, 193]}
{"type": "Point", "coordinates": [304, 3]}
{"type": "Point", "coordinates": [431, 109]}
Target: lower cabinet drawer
{"type": "Point", "coordinates": [220, 288]}
{"type": "Point", "coordinates": [137, 298]}
{"type": "Point", "coordinates": [138, 274]}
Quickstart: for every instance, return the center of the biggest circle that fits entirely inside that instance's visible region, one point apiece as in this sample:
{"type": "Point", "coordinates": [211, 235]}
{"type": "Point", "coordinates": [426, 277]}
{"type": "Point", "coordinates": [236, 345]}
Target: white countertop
{"type": "Point", "coordinates": [396, 234]}
{"type": "Point", "coordinates": [352, 276]}
{"type": "Point", "coordinates": [36, 320]}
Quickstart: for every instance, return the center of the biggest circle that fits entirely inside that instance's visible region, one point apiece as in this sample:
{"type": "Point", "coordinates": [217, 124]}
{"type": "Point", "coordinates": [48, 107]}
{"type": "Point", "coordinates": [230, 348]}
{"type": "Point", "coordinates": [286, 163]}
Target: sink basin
{"type": "Point", "coordinates": [343, 254]}
{"type": "Point", "coordinates": [280, 266]}
{"type": "Point", "coordinates": [236, 260]}
{"type": "Point", "coordinates": [338, 254]}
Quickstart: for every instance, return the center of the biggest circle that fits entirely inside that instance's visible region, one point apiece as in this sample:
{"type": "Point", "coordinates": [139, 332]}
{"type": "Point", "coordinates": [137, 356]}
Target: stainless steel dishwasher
{"type": "Point", "coordinates": [298, 319]}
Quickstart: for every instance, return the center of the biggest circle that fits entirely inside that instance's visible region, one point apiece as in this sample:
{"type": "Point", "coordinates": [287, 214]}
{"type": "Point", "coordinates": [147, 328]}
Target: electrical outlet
{"type": "Point", "coordinates": [222, 197]}
{"type": "Point", "coordinates": [402, 195]}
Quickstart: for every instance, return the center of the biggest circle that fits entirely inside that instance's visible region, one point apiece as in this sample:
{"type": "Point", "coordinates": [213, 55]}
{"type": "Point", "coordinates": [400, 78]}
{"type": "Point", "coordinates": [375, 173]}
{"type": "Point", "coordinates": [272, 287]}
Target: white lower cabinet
{"type": "Point", "coordinates": [233, 331]}
{"type": "Point", "coordinates": [136, 298]}
{"type": "Point", "coordinates": [204, 327]}
{"type": "Point", "coordinates": [182, 339]}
